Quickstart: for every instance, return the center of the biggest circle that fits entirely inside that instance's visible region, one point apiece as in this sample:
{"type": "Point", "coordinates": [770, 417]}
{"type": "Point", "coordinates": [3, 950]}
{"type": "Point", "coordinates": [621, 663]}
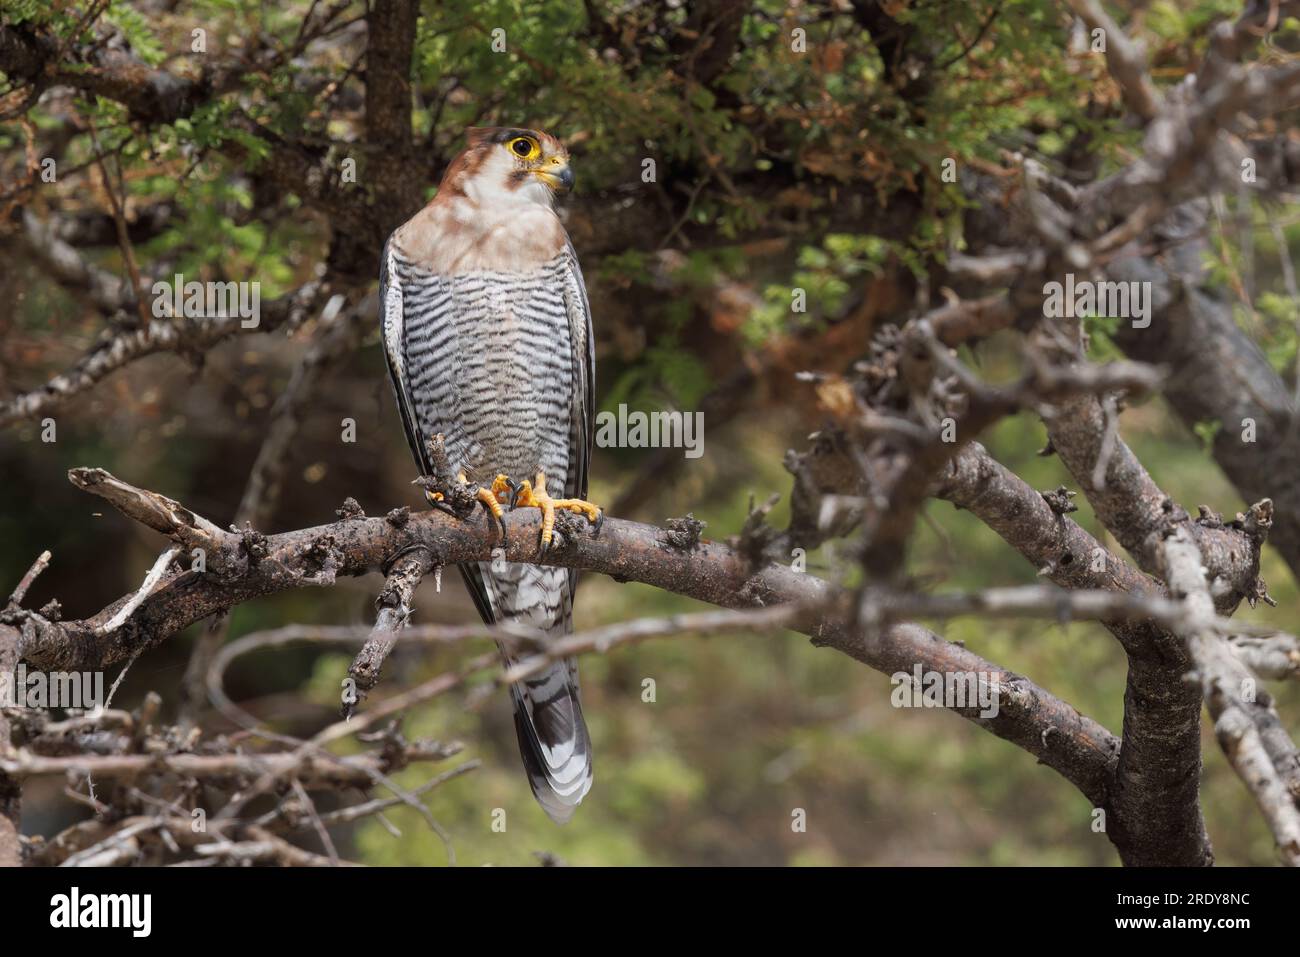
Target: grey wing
{"type": "Point", "coordinates": [584, 376]}
{"type": "Point", "coordinates": [583, 428]}
{"type": "Point", "coordinates": [393, 323]}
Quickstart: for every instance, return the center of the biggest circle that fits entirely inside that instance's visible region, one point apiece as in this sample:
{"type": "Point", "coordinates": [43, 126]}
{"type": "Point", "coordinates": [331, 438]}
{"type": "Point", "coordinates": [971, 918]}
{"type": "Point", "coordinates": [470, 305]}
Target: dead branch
{"type": "Point", "coordinates": [1228, 688]}
{"type": "Point", "coordinates": [254, 565]}
{"type": "Point", "coordinates": [119, 348]}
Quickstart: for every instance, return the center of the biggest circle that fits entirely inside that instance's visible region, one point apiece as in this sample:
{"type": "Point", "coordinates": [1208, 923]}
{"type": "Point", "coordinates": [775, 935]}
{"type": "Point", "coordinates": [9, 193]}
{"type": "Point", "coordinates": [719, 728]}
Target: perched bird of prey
{"type": "Point", "coordinates": [487, 332]}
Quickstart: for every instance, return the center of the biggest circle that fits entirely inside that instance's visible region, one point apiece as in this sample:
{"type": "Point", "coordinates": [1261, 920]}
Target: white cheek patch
{"type": "Point", "coordinates": [490, 186]}
{"type": "Point", "coordinates": [538, 192]}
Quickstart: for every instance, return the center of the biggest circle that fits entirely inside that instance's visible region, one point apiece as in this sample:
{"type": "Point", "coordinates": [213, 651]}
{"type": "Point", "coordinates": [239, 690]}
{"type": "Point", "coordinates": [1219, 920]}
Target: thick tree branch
{"type": "Point", "coordinates": [1139, 513]}
{"type": "Point", "coordinates": [395, 177]}
{"type": "Point", "coordinates": [1156, 791]}
{"type": "Point", "coordinates": [1226, 381]}
{"type": "Point", "coordinates": [248, 565]}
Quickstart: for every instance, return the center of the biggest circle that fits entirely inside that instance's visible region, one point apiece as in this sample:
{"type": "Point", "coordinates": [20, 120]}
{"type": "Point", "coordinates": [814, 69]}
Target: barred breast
{"type": "Point", "coordinates": [498, 363]}
{"type": "Point", "coordinates": [489, 363]}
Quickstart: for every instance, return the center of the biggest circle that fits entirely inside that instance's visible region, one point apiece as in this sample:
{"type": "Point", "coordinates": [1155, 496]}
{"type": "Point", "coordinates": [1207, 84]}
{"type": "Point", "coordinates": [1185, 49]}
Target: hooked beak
{"type": "Point", "coordinates": [558, 177]}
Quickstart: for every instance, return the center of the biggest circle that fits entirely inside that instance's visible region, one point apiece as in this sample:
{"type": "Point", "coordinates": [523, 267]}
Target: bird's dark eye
{"type": "Point", "coordinates": [523, 147]}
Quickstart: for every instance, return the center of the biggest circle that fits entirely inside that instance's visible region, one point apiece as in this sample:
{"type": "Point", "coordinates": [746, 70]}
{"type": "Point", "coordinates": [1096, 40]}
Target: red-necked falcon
{"type": "Point", "coordinates": [487, 333]}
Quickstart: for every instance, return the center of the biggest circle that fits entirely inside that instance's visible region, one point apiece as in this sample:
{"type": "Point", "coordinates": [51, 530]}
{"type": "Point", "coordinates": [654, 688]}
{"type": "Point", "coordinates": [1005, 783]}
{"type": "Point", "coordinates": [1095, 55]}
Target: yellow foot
{"type": "Point", "coordinates": [503, 489]}
{"type": "Point", "coordinates": [534, 495]}
{"type": "Point", "coordinates": [486, 497]}
{"type": "Point", "coordinates": [489, 499]}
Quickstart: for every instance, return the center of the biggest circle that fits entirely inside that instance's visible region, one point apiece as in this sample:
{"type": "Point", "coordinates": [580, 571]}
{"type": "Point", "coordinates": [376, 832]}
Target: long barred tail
{"type": "Point", "coordinates": [553, 737]}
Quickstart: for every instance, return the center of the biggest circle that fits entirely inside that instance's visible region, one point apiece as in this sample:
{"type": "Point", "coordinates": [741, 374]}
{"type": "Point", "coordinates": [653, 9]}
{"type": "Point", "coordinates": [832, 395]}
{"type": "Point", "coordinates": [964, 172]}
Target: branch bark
{"type": "Point", "coordinates": [1156, 792]}
{"type": "Point", "coordinates": [1228, 687]}
{"type": "Point", "coordinates": [248, 565]}
{"type": "Point", "coordinates": [1138, 512]}
{"type": "Point", "coordinates": [180, 336]}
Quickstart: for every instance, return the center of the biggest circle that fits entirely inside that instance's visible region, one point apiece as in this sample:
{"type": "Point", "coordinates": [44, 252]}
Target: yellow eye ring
{"type": "Point", "coordinates": [524, 147]}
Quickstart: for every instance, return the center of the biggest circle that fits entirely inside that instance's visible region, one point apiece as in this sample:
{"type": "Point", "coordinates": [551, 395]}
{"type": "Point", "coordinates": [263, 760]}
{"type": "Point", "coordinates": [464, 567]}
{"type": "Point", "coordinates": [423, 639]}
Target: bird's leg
{"type": "Point", "coordinates": [460, 498]}
{"type": "Point", "coordinates": [534, 495]}
{"type": "Point", "coordinates": [488, 497]}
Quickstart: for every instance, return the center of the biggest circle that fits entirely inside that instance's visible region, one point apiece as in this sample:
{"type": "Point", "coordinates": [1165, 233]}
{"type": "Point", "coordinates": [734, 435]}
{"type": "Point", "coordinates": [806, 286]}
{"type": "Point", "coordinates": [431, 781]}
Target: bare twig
{"type": "Point", "coordinates": [42, 562]}
{"type": "Point", "coordinates": [151, 580]}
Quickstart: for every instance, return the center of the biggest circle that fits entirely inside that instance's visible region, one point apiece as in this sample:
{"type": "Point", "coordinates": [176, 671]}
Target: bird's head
{"type": "Point", "coordinates": [509, 166]}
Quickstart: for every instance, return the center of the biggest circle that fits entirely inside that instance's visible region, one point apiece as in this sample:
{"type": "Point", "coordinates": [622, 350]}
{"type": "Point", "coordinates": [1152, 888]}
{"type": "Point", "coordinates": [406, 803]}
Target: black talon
{"type": "Point", "coordinates": [500, 520]}
{"type": "Point", "coordinates": [600, 520]}
{"type": "Point", "coordinates": [442, 505]}
{"type": "Point", "coordinates": [515, 490]}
